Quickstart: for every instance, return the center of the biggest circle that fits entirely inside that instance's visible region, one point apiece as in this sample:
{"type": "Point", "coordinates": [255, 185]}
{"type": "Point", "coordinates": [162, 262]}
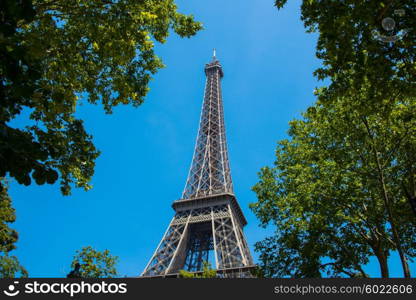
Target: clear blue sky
{"type": "Point", "coordinates": [268, 61]}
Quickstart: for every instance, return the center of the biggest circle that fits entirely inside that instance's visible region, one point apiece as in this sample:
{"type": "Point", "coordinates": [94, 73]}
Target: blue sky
{"type": "Point", "coordinates": [268, 61]}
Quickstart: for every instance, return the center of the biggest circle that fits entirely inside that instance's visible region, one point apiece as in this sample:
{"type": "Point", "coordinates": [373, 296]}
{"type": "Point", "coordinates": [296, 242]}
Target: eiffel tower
{"type": "Point", "coordinates": [208, 223]}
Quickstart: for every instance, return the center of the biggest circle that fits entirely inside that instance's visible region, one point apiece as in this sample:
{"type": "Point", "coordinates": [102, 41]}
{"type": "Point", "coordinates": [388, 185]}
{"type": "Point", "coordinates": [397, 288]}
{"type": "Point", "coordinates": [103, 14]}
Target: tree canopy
{"type": "Point", "coordinates": [343, 187]}
{"type": "Point", "coordinates": [90, 263]}
{"type": "Point", "coordinates": [11, 268]}
{"type": "Point", "coordinates": [56, 54]}
{"type": "Point", "coordinates": [9, 265]}
{"type": "Point", "coordinates": [207, 272]}
{"type": "Point", "coordinates": [325, 199]}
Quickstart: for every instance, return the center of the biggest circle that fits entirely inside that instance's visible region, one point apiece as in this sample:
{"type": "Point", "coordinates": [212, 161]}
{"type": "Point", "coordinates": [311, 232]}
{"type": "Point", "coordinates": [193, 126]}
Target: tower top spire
{"type": "Point", "coordinates": [210, 171]}
{"type": "Point", "coordinates": [214, 65]}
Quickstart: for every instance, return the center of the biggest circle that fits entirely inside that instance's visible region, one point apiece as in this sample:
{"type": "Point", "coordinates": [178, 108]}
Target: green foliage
{"type": "Point", "coordinates": [352, 57]}
{"type": "Point", "coordinates": [207, 272]}
{"type": "Point", "coordinates": [325, 199]}
{"type": "Point", "coordinates": [95, 264]}
{"type": "Point", "coordinates": [10, 267]}
{"type": "Point", "coordinates": [8, 236]}
{"type": "Point", "coordinates": [257, 272]}
{"type": "Point", "coordinates": [340, 188]}
{"type": "Point", "coordinates": [56, 54]}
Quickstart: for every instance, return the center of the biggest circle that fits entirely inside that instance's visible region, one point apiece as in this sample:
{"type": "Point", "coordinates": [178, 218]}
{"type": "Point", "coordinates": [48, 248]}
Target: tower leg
{"type": "Point", "coordinates": [193, 235]}
{"type": "Point", "coordinates": [231, 251]}
{"type": "Point", "coordinates": [167, 251]}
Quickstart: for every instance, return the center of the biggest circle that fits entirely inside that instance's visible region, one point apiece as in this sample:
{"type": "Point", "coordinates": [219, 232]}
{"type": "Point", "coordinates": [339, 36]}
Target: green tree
{"type": "Point", "coordinates": [324, 197]}
{"type": "Point", "coordinates": [11, 268]}
{"type": "Point", "coordinates": [8, 236]}
{"type": "Point", "coordinates": [9, 265]}
{"type": "Point", "coordinates": [207, 272]}
{"type": "Point", "coordinates": [56, 54]}
{"type": "Point", "coordinates": [351, 54]}
{"type": "Point", "coordinates": [359, 138]}
{"type": "Point", "coordinates": [91, 263]}
{"type": "Point", "coordinates": [376, 74]}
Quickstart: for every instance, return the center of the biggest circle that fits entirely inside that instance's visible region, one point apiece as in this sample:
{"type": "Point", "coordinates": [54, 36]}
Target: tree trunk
{"type": "Point", "coordinates": [387, 204]}
{"type": "Point", "coordinates": [411, 199]}
{"type": "Point", "coordinates": [382, 261]}
{"type": "Point", "coordinates": [396, 238]}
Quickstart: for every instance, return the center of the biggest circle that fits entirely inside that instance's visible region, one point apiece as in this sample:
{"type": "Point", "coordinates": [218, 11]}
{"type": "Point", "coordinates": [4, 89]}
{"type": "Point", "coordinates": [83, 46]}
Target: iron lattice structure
{"type": "Point", "coordinates": [210, 170]}
{"type": "Point", "coordinates": [209, 221]}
